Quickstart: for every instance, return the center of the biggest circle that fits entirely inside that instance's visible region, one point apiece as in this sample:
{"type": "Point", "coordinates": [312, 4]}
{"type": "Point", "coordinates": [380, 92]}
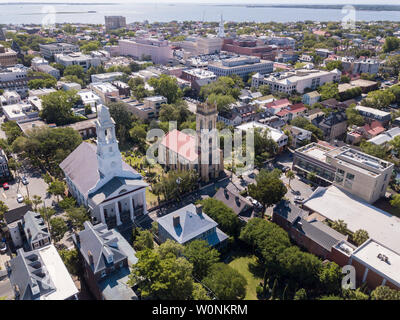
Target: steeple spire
{"type": "Point", "coordinates": [221, 29]}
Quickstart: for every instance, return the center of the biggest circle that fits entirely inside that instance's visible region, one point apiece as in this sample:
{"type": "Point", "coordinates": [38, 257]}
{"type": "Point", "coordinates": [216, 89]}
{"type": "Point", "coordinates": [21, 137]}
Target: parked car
{"type": "Point", "coordinates": [24, 180]}
{"type": "Point", "coordinates": [298, 199]}
{"type": "Point", "coordinates": [20, 198]}
{"type": "Point", "coordinates": [3, 247]}
{"type": "Point", "coordinates": [6, 186]}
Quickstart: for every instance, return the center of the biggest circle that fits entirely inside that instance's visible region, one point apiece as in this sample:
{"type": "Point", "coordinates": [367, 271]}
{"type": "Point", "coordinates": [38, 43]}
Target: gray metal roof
{"type": "Point", "coordinates": [289, 211]}
{"type": "Point", "coordinates": [30, 275]}
{"type": "Point", "coordinates": [114, 286]}
{"type": "Point", "coordinates": [81, 167]}
{"type": "Point", "coordinates": [233, 200]}
{"type": "Point", "coordinates": [35, 225]}
{"type": "Point", "coordinates": [319, 232]}
{"type": "Point", "coordinates": [103, 243]}
{"type": "Point", "coordinates": [190, 226]}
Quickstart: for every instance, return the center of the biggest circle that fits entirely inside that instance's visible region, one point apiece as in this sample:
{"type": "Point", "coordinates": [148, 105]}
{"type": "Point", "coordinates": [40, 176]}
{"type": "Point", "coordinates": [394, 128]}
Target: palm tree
{"type": "Point", "coordinates": [340, 226]}
{"type": "Point", "coordinates": [3, 210]}
{"type": "Point", "coordinates": [290, 175]}
{"type": "Point", "coordinates": [37, 200]}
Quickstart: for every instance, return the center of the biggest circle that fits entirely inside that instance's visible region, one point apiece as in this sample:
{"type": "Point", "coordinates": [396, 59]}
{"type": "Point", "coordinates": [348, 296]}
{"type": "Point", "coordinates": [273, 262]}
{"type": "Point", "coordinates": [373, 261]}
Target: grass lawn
{"type": "Point", "coordinates": [248, 267]}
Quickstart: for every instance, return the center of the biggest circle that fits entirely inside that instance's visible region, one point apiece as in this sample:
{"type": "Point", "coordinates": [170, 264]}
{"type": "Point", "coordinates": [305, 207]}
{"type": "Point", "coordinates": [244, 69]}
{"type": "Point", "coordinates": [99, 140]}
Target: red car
{"type": "Point", "coordinates": [6, 186]}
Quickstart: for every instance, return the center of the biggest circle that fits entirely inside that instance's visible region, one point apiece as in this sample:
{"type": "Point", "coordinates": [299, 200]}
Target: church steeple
{"type": "Point", "coordinates": [108, 155]}
{"type": "Point", "coordinates": [221, 29]}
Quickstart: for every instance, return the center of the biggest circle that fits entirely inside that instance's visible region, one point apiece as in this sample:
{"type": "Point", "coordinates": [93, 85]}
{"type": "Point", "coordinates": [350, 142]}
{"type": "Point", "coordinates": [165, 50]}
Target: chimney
{"type": "Point", "coordinates": [176, 220]}
{"type": "Point", "coordinates": [90, 256]}
{"type": "Point", "coordinates": [78, 239]}
{"type": "Point", "coordinates": [199, 209]}
{"type": "Point", "coordinates": [29, 233]}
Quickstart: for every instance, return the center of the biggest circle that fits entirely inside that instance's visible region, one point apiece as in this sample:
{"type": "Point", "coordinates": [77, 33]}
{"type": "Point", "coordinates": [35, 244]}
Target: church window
{"type": "Point", "coordinates": [210, 125]}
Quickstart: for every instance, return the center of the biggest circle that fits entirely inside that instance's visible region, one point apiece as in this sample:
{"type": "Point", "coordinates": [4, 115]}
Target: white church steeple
{"type": "Point", "coordinates": [221, 29]}
{"type": "Point", "coordinates": [108, 155]}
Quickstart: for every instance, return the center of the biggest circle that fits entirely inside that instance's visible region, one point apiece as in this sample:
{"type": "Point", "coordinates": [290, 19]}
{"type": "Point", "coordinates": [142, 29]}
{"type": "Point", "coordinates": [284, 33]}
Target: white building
{"type": "Point", "coordinates": [298, 80]}
{"type": "Point", "coordinates": [106, 77]}
{"type": "Point", "coordinates": [106, 91]}
{"type": "Point", "coordinates": [159, 50]}
{"type": "Point", "coordinates": [15, 78]}
{"type": "Point", "coordinates": [77, 58]}
{"type": "Point", "coordinates": [89, 98]}
{"type": "Point", "coordinates": [241, 66]}
{"type": "Point", "coordinates": [50, 49]}
{"type": "Point", "coordinates": [42, 65]}
{"type": "Point", "coordinates": [98, 178]}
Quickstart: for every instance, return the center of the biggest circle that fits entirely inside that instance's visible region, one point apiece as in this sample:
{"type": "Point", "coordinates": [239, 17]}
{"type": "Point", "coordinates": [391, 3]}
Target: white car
{"type": "Point", "coordinates": [20, 198]}
{"type": "Point", "coordinates": [298, 199]}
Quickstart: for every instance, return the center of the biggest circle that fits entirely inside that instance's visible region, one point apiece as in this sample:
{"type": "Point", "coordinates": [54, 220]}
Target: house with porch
{"type": "Point", "coordinates": [99, 179]}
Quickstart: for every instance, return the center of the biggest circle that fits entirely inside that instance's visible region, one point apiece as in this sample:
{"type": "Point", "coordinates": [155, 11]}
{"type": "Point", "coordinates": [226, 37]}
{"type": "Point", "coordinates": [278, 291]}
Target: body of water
{"type": "Point", "coordinates": [73, 13]}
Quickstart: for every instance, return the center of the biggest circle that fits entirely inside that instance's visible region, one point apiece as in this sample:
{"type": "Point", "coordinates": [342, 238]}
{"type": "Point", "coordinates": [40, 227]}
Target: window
{"type": "Point", "coordinates": [103, 274]}
{"type": "Point", "coordinates": [350, 176]}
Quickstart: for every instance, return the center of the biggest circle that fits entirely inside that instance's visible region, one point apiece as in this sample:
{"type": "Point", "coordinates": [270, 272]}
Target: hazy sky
{"type": "Point", "coordinates": [224, 1]}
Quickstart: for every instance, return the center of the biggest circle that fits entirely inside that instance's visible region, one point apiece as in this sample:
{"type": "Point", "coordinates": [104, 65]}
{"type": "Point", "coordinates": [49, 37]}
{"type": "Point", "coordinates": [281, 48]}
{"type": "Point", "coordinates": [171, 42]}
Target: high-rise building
{"type": "Point", "coordinates": [115, 22]}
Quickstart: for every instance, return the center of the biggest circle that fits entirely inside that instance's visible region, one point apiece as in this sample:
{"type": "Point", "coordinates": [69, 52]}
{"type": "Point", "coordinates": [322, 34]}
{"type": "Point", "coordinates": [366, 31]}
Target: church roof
{"type": "Point", "coordinates": [81, 167]}
{"type": "Point", "coordinates": [181, 143]}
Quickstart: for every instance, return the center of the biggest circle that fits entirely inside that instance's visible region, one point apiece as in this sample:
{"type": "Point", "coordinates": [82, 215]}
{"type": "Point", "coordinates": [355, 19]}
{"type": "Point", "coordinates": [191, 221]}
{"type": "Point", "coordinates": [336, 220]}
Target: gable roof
{"type": "Point", "coordinates": [233, 200]}
{"type": "Point", "coordinates": [181, 143]}
{"type": "Point", "coordinates": [81, 167]}
{"type": "Point", "coordinates": [34, 224]}
{"type": "Point", "coordinates": [16, 214]}
{"type": "Point", "coordinates": [288, 211]}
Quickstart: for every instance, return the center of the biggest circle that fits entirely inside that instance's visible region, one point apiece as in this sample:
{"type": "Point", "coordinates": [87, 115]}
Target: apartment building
{"type": "Point", "coordinates": [311, 97]}
{"type": "Point", "coordinates": [351, 170]}
{"type": "Point", "coordinates": [77, 58]}
{"type": "Point", "coordinates": [105, 77]}
{"type": "Point", "coordinates": [249, 47]}
{"type": "Point", "coordinates": [371, 114]}
{"type": "Point", "coordinates": [50, 49]}
{"type": "Point", "coordinates": [159, 50]}
{"type": "Point", "coordinates": [241, 66]}
{"type": "Point", "coordinates": [106, 91]}
{"type": "Point", "coordinates": [115, 22]}
{"type": "Point", "coordinates": [8, 57]}
{"type": "Point", "coordinates": [297, 80]}
{"type": "Point", "coordinates": [15, 79]}
{"type": "Point", "coordinates": [42, 65]}
{"type": "Point", "coordinates": [198, 77]}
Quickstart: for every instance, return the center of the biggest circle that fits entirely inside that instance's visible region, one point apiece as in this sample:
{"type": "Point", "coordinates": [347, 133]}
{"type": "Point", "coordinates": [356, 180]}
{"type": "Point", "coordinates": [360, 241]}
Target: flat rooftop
{"type": "Point", "coordinates": [316, 151]}
{"type": "Point", "coordinates": [336, 204]}
{"type": "Point", "coordinates": [374, 254]}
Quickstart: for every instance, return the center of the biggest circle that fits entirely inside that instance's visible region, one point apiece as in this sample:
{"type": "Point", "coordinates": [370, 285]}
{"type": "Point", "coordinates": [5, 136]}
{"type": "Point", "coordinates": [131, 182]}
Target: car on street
{"type": "Point", "coordinates": [20, 198]}
{"type": "Point", "coordinates": [3, 247]}
{"type": "Point", "coordinates": [6, 186]}
{"type": "Point", "coordinates": [298, 199]}
{"type": "Point", "coordinates": [24, 180]}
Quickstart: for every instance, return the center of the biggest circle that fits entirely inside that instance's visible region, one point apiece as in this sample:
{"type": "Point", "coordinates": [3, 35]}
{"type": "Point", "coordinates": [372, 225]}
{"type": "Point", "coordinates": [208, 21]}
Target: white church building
{"type": "Point", "coordinates": [99, 179]}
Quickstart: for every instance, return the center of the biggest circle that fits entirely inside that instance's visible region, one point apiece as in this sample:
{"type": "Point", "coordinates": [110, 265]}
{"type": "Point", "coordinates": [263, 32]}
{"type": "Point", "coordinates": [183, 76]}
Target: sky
{"type": "Point", "coordinates": [222, 1]}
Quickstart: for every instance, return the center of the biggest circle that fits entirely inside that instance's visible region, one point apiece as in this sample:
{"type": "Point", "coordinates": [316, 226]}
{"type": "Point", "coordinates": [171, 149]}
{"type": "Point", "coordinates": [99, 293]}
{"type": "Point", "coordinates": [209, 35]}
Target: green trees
{"type": "Point", "coordinates": [42, 83]}
{"type": "Point", "coordinates": [226, 282]}
{"type": "Point", "coordinates": [391, 44]}
{"type": "Point", "coordinates": [224, 86]}
{"type": "Point", "coordinates": [330, 277]}
{"type": "Point", "coordinates": [123, 120]}
{"type": "Point", "coordinates": [227, 220]}
{"type": "Point", "coordinates": [178, 112]}
{"type": "Point", "coordinates": [71, 260]}
{"type": "Point", "coordinates": [340, 226]}
{"type": "Point", "coordinates": [90, 46]}
{"type": "Point", "coordinates": [395, 201]}
{"type": "Point", "coordinates": [395, 143]}
{"type": "Point", "coordinates": [166, 86]}
{"type": "Point", "coordinates": [307, 125]}
{"type": "Point", "coordinates": [265, 148]}
{"type": "Point", "coordinates": [379, 99]}
{"type": "Point", "coordinates": [138, 88]}
{"type": "Point", "coordinates": [300, 294]}
{"type": "Point", "coordinates": [202, 256]}
{"type": "Point", "coordinates": [143, 240]}
{"type": "Point", "coordinates": [58, 228]}
{"type": "Point", "coordinates": [172, 190]}
{"type": "Point", "coordinates": [269, 189]}
{"type": "Point", "coordinates": [385, 293]}
{"type": "Point", "coordinates": [290, 175]}
{"type": "Point", "coordinates": [374, 150]}
{"type": "Point", "coordinates": [12, 131]}
{"type": "Point", "coordinates": [354, 117]}
{"type": "Point", "coordinates": [360, 236]}
{"type": "Point", "coordinates": [164, 278]}
{"type": "Point", "coordinates": [77, 216]}
{"type": "Point", "coordinates": [266, 238]}
{"type": "Point", "coordinates": [329, 90]}
{"type": "Point", "coordinates": [56, 188]}
{"type": "Point", "coordinates": [75, 70]}
{"type": "Point", "coordinates": [334, 64]}
{"type": "Point", "coordinates": [265, 89]}
{"type": "Point", "coordinates": [57, 107]}
{"type": "Point", "coordinates": [3, 210]}
{"type": "Point", "coordinates": [47, 147]}
{"type": "Point", "coordinates": [223, 101]}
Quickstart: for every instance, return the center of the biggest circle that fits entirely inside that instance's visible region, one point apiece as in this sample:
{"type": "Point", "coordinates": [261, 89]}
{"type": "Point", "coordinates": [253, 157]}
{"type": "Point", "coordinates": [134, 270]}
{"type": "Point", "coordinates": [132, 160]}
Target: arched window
{"type": "Point", "coordinates": [201, 124]}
